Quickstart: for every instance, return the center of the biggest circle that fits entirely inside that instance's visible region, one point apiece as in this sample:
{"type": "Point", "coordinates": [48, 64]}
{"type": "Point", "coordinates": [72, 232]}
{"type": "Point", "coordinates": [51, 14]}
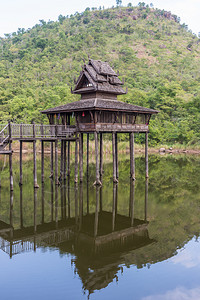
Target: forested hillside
{"type": "Point", "coordinates": [158, 58]}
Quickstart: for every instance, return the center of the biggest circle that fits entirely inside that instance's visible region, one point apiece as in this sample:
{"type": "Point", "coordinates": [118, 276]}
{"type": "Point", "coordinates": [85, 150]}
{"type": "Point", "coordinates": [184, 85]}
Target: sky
{"type": "Point", "coordinates": [16, 14]}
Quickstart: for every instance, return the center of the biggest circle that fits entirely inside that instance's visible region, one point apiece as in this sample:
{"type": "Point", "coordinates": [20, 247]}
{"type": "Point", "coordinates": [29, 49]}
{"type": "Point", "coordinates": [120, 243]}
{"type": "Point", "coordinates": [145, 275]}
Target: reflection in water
{"type": "Point", "coordinates": [97, 237]}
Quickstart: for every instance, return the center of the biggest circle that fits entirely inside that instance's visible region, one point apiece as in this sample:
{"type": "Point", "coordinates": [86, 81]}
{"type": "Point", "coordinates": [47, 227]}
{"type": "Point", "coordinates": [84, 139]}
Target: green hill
{"type": "Point", "coordinates": [157, 56]}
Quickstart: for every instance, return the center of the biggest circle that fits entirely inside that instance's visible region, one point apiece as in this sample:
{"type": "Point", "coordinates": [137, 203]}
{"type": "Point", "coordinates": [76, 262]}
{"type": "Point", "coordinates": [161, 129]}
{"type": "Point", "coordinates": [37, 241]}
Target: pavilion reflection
{"type": "Point", "coordinates": [99, 239]}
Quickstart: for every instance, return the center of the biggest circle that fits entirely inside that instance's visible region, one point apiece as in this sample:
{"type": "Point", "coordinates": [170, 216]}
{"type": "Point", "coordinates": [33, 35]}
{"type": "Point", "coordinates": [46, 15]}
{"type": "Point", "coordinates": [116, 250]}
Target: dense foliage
{"type": "Point", "coordinates": [156, 55]}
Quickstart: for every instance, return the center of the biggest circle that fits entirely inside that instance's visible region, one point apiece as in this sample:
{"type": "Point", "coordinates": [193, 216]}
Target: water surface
{"type": "Point", "coordinates": [134, 240]}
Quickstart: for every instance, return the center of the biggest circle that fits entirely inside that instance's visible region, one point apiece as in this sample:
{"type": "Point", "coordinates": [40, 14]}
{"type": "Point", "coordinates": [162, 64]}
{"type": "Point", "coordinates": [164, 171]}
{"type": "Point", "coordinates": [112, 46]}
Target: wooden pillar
{"type": "Point", "coordinates": [42, 154]}
{"type": "Point", "coordinates": [20, 162]}
{"type": "Point", "coordinates": [56, 162]}
{"type": "Point", "coordinates": [61, 161]}
{"type": "Point", "coordinates": [146, 155]}
{"type": "Point", "coordinates": [68, 158]}
{"type": "Point", "coordinates": [81, 157]}
{"type": "Point", "coordinates": [88, 198]}
{"type": "Point", "coordinates": [64, 158]}
{"type": "Point", "coordinates": [20, 156]}
{"type": "Point", "coordinates": [146, 198]}
{"type": "Point", "coordinates": [132, 157]}
{"type": "Point", "coordinates": [114, 158]}
{"type": "Point", "coordinates": [68, 198]}
{"type": "Point", "coordinates": [88, 153]}
{"type": "Point", "coordinates": [116, 151]}
{"type": "Point", "coordinates": [10, 156]}
{"type": "Point", "coordinates": [34, 159]}
{"type": "Point", "coordinates": [101, 153]}
{"type": "Point", "coordinates": [42, 161]}
{"type": "Point", "coordinates": [51, 175]}
{"type": "Point", "coordinates": [97, 182]}
{"type": "Point", "coordinates": [76, 161]}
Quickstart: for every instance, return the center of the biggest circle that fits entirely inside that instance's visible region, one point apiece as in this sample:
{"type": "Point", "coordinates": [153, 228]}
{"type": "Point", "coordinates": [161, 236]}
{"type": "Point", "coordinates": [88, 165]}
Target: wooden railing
{"type": "Point", "coordinates": [37, 131]}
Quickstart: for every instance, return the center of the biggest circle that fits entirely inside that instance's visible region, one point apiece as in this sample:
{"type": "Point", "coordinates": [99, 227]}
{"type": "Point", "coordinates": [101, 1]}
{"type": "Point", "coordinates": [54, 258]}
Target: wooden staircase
{"type": "Point", "coordinates": [4, 140]}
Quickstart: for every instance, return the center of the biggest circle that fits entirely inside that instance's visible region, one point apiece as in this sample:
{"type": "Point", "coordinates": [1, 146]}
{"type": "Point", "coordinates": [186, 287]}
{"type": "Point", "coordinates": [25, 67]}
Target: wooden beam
{"type": "Point", "coordinates": [101, 154]}
{"type": "Point", "coordinates": [76, 161]}
{"type": "Point", "coordinates": [132, 157]}
{"type": "Point", "coordinates": [20, 162]}
{"type": "Point", "coordinates": [10, 157]}
{"type": "Point", "coordinates": [146, 155]}
{"type": "Point", "coordinates": [42, 161]}
{"type": "Point", "coordinates": [81, 157]}
{"type": "Point", "coordinates": [34, 159]}
{"type": "Point", "coordinates": [114, 158]}
{"type": "Point", "coordinates": [88, 153]}
{"type": "Point", "coordinates": [97, 182]}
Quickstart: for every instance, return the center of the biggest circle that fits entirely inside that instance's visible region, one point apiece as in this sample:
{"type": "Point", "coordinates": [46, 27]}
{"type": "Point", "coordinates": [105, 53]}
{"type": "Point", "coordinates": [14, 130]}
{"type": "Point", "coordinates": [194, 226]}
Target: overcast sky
{"type": "Point", "coordinates": [16, 14]}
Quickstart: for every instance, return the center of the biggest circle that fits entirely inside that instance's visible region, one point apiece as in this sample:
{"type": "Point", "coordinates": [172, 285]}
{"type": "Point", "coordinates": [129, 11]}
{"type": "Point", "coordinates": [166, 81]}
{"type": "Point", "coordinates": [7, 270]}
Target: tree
{"type": "Point", "coordinates": [118, 2]}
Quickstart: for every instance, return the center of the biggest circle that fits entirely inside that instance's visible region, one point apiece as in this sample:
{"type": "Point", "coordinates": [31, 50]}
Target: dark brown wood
{"type": "Point", "coordinates": [76, 161]}
{"type": "Point", "coordinates": [56, 163]}
{"type": "Point", "coordinates": [20, 162]}
{"type": "Point", "coordinates": [101, 153]}
{"type": "Point", "coordinates": [42, 161]}
{"type": "Point", "coordinates": [81, 157]}
{"type": "Point", "coordinates": [61, 160]}
{"type": "Point", "coordinates": [68, 158]}
{"type": "Point", "coordinates": [42, 203]}
{"type": "Point", "coordinates": [10, 157]}
{"type": "Point", "coordinates": [146, 198]}
{"type": "Point", "coordinates": [114, 158]}
{"type": "Point", "coordinates": [88, 153]}
{"type": "Point", "coordinates": [146, 155]}
{"type": "Point", "coordinates": [97, 182]}
{"type": "Point", "coordinates": [68, 198]}
{"type": "Point", "coordinates": [34, 159]}
{"type": "Point", "coordinates": [116, 151]}
{"type": "Point", "coordinates": [64, 158]}
{"type": "Point", "coordinates": [132, 157]}
{"type": "Point", "coordinates": [51, 175]}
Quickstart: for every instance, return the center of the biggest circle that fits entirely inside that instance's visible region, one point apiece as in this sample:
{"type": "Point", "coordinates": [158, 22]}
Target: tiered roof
{"type": "Point", "coordinates": [98, 76]}
{"type": "Point", "coordinates": [100, 82]}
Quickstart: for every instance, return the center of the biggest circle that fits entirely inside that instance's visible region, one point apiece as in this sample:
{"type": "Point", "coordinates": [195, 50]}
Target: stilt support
{"type": "Point", "coordinates": [132, 157]}
{"type": "Point", "coordinates": [81, 157]}
{"type": "Point", "coordinates": [146, 155]}
{"type": "Point", "coordinates": [97, 182]}
{"type": "Point", "coordinates": [114, 158]}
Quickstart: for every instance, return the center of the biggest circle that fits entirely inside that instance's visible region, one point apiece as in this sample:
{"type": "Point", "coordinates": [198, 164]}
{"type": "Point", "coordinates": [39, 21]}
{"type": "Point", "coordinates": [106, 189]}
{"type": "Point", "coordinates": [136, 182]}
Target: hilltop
{"type": "Point", "coordinates": [158, 58]}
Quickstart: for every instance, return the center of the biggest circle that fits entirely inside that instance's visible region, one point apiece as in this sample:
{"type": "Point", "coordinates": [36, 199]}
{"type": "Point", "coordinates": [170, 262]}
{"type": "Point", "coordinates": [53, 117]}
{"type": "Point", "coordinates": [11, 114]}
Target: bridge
{"type": "Point", "coordinates": [32, 132]}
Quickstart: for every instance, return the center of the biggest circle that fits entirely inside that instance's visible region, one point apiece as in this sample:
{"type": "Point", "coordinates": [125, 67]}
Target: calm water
{"type": "Point", "coordinates": [132, 240]}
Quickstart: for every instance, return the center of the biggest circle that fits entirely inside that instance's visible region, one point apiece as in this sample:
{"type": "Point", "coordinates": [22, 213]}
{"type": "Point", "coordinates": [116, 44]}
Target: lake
{"type": "Point", "coordinates": [135, 240]}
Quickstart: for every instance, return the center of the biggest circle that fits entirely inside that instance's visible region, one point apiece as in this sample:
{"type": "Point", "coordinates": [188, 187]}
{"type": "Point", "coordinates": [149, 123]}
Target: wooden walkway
{"type": "Point", "coordinates": [44, 133]}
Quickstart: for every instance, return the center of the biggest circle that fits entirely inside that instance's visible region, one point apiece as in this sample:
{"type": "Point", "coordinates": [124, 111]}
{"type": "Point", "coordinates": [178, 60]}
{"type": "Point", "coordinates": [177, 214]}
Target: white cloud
{"type": "Point", "coordinates": [180, 293]}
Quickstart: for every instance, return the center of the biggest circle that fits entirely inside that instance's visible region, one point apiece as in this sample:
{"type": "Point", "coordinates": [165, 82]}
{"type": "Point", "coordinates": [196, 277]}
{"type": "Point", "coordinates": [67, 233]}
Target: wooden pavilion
{"type": "Point", "coordinates": [98, 112]}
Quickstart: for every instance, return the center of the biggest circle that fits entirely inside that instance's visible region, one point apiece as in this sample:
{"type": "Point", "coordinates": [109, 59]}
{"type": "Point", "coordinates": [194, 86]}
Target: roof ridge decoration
{"type": "Point", "coordinates": [98, 76]}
